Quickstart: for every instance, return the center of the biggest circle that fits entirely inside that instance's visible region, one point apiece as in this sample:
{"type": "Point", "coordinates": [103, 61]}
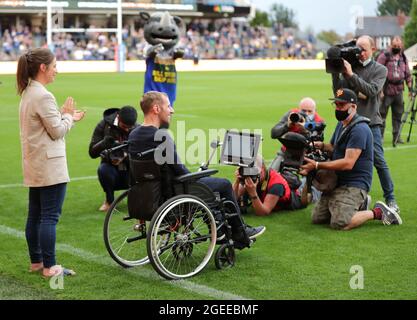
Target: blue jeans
{"type": "Point", "coordinates": [381, 165]}
{"type": "Point", "coordinates": [45, 206]}
{"type": "Point", "coordinates": [112, 179]}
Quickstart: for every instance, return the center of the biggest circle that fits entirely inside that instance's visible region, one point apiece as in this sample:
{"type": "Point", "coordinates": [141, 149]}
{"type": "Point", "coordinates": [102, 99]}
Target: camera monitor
{"type": "Point", "coordinates": [240, 149]}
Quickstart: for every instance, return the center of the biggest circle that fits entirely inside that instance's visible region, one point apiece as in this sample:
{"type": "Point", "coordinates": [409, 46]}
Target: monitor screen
{"type": "Point", "coordinates": [240, 149]}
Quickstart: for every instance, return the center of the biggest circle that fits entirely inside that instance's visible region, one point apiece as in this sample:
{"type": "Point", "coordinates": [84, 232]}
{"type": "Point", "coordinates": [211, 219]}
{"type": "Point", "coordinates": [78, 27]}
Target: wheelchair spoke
{"type": "Point", "coordinates": [125, 243]}
{"type": "Point", "coordinates": [189, 222]}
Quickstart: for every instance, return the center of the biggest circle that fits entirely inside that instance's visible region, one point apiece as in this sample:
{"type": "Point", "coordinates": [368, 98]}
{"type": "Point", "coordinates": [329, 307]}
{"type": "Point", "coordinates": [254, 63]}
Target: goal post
{"type": "Point", "coordinates": [51, 27]}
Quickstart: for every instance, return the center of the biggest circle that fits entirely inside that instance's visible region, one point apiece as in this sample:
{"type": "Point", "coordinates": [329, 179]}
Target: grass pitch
{"type": "Point", "coordinates": [293, 260]}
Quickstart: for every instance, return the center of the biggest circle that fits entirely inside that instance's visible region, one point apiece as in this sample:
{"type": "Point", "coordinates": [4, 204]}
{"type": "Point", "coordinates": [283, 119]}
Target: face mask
{"type": "Point", "coordinates": [342, 115]}
{"type": "Point", "coordinates": [366, 62]}
{"type": "Point", "coordinates": [310, 118]}
{"type": "Point", "coordinates": [396, 50]}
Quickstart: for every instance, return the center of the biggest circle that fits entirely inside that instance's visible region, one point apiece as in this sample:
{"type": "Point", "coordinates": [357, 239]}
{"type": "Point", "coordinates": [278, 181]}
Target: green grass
{"type": "Point", "coordinates": [293, 260]}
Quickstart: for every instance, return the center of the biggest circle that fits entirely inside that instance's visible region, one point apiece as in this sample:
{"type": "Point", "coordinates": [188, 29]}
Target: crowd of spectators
{"type": "Point", "coordinates": [205, 39]}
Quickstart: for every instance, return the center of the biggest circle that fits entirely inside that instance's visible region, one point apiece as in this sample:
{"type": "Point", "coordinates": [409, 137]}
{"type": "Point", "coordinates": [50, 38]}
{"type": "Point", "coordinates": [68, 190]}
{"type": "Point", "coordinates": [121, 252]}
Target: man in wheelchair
{"type": "Point", "coordinates": [151, 135]}
{"type": "Point", "coordinates": [270, 192]}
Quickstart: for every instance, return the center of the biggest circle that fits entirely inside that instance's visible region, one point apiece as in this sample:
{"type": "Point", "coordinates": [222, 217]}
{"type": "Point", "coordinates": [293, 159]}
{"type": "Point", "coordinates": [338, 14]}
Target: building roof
{"type": "Point", "coordinates": [387, 26]}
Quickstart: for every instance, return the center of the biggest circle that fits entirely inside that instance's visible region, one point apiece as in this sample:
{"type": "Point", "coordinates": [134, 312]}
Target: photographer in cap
{"type": "Point", "coordinates": [308, 118]}
{"type": "Point", "coordinates": [113, 130]}
{"type": "Point", "coordinates": [398, 74]}
{"type": "Point", "coordinates": [346, 206]}
{"type": "Point", "coordinates": [270, 192]}
{"type": "Point", "coordinates": [367, 79]}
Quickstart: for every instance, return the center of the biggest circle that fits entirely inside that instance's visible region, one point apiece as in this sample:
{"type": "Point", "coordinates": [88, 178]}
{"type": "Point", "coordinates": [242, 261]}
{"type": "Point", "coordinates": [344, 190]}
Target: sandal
{"type": "Point", "coordinates": [37, 269]}
{"type": "Point", "coordinates": [58, 270]}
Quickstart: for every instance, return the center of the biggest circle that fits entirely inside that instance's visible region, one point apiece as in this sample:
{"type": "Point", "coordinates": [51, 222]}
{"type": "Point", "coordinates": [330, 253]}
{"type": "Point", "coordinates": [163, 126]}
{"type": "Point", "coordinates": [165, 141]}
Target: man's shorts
{"type": "Point", "coordinates": [338, 207]}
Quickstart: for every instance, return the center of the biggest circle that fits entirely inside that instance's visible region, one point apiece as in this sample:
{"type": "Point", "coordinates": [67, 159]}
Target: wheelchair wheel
{"type": "Point", "coordinates": [225, 257]}
{"type": "Point", "coordinates": [125, 237]}
{"type": "Point", "coordinates": [182, 237]}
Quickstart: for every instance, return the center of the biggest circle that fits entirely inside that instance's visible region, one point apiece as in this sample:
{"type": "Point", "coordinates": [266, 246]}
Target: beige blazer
{"type": "Point", "coordinates": [42, 132]}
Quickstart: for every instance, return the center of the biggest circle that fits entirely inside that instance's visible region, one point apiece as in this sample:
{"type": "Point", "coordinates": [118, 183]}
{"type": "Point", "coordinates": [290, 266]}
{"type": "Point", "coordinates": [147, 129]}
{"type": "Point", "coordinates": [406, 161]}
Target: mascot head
{"type": "Point", "coordinates": [162, 28]}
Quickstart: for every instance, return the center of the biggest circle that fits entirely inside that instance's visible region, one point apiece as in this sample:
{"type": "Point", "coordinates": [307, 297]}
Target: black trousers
{"type": "Point", "coordinates": [112, 179]}
{"type": "Point", "coordinates": [397, 110]}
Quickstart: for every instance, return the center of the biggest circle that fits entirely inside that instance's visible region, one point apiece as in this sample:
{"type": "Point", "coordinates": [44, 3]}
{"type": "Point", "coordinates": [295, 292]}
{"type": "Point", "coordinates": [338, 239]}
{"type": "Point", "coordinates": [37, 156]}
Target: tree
{"type": "Point", "coordinates": [331, 37]}
{"type": "Point", "coordinates": [391, 7]}
{"type": "Point", "coordinates": [261, 19]}
{"type": "Point", "coordinates": [410, 32]}
{"type": "Point", "coordinates": [280, 14]}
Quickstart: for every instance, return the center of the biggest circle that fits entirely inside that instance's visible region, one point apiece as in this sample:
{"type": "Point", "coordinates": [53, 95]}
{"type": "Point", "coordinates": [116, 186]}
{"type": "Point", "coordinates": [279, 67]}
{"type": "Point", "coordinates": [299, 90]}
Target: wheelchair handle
{"type": "Point", "coordinates": [145, 153]}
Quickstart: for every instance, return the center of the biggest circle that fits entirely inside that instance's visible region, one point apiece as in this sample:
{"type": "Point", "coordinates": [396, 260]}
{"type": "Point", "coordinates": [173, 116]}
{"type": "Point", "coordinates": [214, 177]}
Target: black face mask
{"type": "Point", "coordinates": [396, 50]}
{"type": "Point", "coordinates": [342, 115]}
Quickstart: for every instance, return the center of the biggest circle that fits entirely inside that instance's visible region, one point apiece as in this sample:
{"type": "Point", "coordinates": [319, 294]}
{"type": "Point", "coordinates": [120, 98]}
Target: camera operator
{"type": "Point", "coordinates": [398, 73]}
{"type": "Point", "coordinates": [367, 80]}
{"type": "Point", "coordinates": [309, 122]}
{"type": "Point", "coordinates": [346, 206]}
{"type": "Point", "coordinates": [158, 112]}
{"type": "Point", "coordinates": [110, 132]}
{"type": "Point", "coordinates": [270, 192]}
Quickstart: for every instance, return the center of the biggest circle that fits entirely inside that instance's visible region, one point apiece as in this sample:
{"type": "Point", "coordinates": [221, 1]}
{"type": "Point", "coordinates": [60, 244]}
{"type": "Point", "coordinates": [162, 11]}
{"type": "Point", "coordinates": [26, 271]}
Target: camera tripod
{"type": "Point", "coordinates": [412, 109]}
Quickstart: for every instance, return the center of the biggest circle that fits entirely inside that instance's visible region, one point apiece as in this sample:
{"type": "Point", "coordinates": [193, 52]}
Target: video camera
{"type": "Point", "coordinates": [314, 129]}
{"type": "Point", "coordinates": [299, 147]}
{"type": "Point", "coordinates": [241, 149]}
{"type": "Point", "coordinates": [348, 51]}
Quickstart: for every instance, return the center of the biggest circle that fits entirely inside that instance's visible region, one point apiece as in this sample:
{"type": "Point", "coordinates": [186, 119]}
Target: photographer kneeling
{"type": "Point", "coordinates": [270, 192]}
{"type": "Point", "coordinates": [351, 146]}
{"type": "Point", "coordinates": [113, 130]}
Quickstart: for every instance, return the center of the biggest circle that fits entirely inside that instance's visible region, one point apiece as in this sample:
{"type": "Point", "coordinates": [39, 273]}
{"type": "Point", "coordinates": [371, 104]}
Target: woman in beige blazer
{"type": "Point", "coordinates": [42, 131]}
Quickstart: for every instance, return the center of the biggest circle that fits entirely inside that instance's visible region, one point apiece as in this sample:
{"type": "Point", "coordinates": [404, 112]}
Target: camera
{"type": "Point", "coordinates": [297, 117]}
{"type": "Point", "coordinates": [348, 51]}
{"type": "Point", "coordinates": [298, 147]}
{"type": "Point", "coordinates": [251, 172]}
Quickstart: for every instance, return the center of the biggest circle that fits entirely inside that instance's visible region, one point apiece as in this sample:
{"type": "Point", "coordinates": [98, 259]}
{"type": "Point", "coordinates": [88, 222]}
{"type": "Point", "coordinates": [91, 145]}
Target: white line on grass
{"type": "Point", "coordinates": [139, 272]}
{"type": "Point", "coordinates": [19, 185]}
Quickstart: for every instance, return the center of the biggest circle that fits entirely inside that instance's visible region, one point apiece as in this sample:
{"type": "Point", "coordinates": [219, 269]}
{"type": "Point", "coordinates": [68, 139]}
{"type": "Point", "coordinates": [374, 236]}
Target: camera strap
{"type": "Point", "coordinates": [356, 120]}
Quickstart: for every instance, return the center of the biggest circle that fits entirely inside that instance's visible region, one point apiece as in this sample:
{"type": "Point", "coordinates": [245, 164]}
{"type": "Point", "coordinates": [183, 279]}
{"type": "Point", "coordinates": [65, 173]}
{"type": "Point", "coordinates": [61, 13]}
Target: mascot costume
{"type": "Point", "coordinates": [162, 32]}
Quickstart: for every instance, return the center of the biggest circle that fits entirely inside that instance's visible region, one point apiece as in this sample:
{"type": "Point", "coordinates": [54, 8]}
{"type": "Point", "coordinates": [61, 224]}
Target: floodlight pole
{"type": "Point", "coordinates": [120, 46]}
{"type": "Point", "coordinates": [49, 24]}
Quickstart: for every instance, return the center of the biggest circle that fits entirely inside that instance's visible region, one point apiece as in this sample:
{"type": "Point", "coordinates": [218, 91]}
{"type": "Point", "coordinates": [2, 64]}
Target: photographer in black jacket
{"type": "Point", "coordinates": [113, 130]}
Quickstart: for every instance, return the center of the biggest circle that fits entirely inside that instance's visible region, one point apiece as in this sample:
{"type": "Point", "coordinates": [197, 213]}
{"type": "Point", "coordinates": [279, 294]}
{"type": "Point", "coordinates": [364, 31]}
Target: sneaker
{"type": "Point", "coordinates": [366, 205]}
{"type": "Point", "coordinates": [254, 232]}
{"type": "Point", "coordinates": [389, 216]}
{"type": "Point", "coordinates": [394, 206]}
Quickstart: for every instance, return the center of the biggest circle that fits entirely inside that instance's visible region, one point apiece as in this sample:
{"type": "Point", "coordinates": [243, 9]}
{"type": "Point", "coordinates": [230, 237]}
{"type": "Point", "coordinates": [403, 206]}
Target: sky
{"type": "Point", "coordinates": [325, 14]}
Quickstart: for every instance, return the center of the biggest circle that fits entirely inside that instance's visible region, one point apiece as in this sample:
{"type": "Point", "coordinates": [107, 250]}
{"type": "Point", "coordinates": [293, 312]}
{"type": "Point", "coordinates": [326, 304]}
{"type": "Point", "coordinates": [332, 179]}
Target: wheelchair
{"type": "Point", "coordinates": [173, 223]}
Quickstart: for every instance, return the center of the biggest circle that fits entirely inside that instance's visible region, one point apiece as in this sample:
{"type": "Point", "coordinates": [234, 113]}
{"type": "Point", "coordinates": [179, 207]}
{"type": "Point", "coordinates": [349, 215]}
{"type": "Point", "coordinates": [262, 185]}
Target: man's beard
{"type": "Point", "coordinates": [164, 125]}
